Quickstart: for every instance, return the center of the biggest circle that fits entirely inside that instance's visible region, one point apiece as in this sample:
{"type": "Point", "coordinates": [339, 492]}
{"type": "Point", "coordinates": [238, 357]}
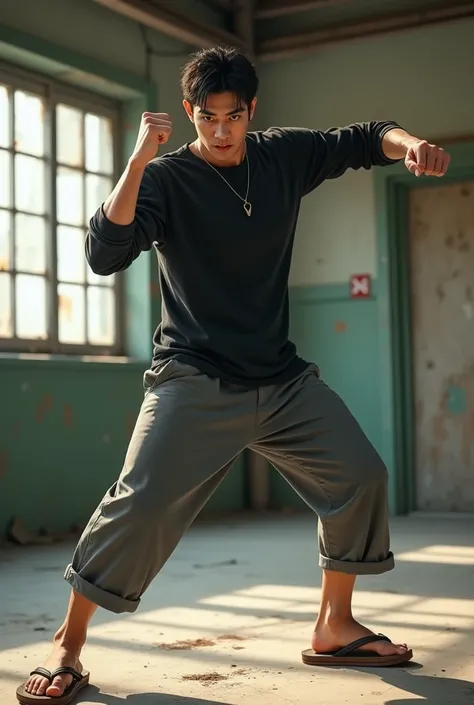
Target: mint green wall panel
{"type": "Point", "coordinates": [65, 428]}
{"type": "Point", "coordinates": [341, 335]}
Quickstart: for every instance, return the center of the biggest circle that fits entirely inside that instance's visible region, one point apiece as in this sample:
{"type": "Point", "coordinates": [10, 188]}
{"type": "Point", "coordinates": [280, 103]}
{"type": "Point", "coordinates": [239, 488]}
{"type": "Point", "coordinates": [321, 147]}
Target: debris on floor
{"type": "Point", "coordinates": [220, 564]}
{"type": "Point", "coordinates": [186, 644]}
{"type": "Point", "coordinates": [213, 677]}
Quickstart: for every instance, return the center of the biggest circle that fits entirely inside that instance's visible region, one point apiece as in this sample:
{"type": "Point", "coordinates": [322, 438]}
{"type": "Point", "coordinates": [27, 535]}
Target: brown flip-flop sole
{"type": "Point", "coordinates": [356, 658]}
{"type": "Point", "coordinates": [352, 655]}
{"type": "Point", "coordinates": [65, 699]}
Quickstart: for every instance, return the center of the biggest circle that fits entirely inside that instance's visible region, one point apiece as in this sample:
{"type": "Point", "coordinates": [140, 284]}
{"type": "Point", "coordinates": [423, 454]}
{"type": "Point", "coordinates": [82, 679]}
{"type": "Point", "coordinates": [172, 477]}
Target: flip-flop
{"type": "Point", "coordinates": [352, 655]}
{"type": "Point", "coordinates": [79, 681]}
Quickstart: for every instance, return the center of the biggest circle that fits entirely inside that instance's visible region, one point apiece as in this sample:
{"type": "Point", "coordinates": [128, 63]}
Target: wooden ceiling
{"type": "Point", "coordinates": [280, 29]}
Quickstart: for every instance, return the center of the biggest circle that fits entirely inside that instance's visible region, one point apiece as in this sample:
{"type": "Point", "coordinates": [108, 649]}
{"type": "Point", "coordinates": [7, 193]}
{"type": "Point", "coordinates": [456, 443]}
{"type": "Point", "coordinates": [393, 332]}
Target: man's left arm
{"type": "Point", "coordinates": [314, 155]}
{"type": "Point", "coordinates": [420, 156]}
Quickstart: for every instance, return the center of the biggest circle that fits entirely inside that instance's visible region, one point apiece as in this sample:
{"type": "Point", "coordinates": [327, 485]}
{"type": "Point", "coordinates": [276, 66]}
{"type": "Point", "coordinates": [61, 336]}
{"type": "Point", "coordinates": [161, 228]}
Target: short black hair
{"type": "Point", "coordinates": [219, 70]}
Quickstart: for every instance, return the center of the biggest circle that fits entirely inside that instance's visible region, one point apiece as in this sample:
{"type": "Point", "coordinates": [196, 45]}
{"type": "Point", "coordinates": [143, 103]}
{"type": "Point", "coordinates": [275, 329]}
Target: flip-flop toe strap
{"type": "Point", "coordinates": [67, 671]}
{"type": "Point", "coordinates": [40, 671]}
{"type": "Point", "coordinates": [346, 650]}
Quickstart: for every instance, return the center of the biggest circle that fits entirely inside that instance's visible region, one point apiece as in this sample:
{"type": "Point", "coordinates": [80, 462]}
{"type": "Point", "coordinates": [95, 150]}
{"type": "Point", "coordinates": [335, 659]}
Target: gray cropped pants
{"type": "Point", "coordinates": [189, 431]}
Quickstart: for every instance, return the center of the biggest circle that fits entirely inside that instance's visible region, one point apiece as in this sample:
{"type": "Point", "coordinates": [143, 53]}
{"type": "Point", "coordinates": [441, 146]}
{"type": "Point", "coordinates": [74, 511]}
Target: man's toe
{"type": "Point", "coordinates": [42, 687]}
{"type": "Point", "coordinates": [35, 686]}
{"type": "Point", "coordinates": [58, 686]}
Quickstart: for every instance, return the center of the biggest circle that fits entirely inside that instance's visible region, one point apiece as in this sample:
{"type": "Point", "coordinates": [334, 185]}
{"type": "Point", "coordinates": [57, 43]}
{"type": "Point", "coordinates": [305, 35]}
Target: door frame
{"type": "Point", "coordinates": [392, 186]}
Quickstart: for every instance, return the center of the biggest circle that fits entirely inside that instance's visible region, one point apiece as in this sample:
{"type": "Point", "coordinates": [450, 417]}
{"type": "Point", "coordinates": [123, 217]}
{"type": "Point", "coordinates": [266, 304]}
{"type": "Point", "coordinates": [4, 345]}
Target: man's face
{"type": "Point", "coordinates": [221, 126]}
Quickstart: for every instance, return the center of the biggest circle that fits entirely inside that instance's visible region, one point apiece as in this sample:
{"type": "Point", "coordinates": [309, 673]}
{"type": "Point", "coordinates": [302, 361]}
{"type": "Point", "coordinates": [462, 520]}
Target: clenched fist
{"type": "Point", "coordinates": [428, 159]}
{"type": "Point", "coordinates": [155, 129]}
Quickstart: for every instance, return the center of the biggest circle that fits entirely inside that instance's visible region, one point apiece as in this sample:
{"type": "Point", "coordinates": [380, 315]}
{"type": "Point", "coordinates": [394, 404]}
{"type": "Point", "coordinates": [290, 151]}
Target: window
{"type": "Point", "coordinates": [57, 165]}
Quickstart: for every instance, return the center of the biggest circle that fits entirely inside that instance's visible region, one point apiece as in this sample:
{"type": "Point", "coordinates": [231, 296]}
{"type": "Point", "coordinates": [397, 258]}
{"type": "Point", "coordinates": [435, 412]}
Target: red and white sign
{"type": "Point", "coordinates": [360, 286]}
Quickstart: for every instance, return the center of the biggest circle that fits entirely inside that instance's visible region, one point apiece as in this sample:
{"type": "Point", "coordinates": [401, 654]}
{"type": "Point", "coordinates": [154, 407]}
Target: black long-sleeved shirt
{"type": "Point", "coordinates": [224, 275]}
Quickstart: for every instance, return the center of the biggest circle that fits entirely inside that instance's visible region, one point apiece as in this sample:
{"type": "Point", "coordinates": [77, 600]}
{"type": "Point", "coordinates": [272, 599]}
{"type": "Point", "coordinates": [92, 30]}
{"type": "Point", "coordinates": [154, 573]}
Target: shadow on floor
{"type": "Point", "coordinates": [93, 695]}
{"type": "Point", "coordinates": [434, 690]}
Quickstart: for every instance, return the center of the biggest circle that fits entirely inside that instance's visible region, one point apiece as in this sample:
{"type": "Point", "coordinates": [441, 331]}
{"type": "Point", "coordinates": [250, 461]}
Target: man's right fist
{"type": "Point", "coordinates": [155, 129]}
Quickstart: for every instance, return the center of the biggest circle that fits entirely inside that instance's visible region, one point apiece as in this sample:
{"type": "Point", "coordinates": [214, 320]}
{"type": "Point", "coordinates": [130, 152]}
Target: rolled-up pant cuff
{"type": "Point", "coordinates": [356, 567]}
{"type": "Point", "coordinates": [102, 598]}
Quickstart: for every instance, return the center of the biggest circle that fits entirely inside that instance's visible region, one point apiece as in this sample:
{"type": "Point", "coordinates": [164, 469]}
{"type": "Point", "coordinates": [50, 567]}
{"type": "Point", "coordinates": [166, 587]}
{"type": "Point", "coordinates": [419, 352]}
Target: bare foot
{"type": "Point", "coordinates": [60, 656]}
{"type": "Point", "coordinates": [329, 637]}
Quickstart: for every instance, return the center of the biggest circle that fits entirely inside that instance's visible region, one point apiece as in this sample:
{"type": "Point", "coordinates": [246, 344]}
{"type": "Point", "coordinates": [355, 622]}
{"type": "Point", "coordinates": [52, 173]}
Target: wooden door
{"type": "Point", "coordinates": [441, 244]}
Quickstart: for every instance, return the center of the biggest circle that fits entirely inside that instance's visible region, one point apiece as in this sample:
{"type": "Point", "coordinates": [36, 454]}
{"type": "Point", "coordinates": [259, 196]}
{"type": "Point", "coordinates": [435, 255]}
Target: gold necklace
{"type": "Point", "coordinates": [246, 202]}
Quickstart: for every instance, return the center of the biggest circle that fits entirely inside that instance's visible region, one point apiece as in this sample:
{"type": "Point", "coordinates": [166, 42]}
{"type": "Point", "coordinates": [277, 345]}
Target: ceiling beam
{"type": "Point", "coordinates": [227, 5]}
{"type": "Point", "coordinates": [297, 45]}
{"type": "Point", "coordinates": [244, 24]}
{"type": "Point", "coordinates": [173, 24]}
{"type": "Point", "coordinates": [268, 9]}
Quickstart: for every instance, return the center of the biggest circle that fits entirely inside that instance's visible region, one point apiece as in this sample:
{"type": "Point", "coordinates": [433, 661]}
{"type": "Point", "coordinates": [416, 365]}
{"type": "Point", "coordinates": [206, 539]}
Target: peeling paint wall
{"type": "Point", "coordinates": [64, 430]}
{"type": "Point", "coordinates": [442, 267]}
{"type": "Point", "coordinates": [64, 433]}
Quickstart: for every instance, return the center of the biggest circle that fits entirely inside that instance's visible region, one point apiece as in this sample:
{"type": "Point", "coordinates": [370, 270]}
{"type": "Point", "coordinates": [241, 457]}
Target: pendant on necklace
{"type": "Point", "coordinates": [248, 208]}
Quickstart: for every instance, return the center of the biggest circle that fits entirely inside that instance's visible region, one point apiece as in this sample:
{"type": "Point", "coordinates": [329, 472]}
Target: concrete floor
{"type": "Point", "coordinates": [249, 590]}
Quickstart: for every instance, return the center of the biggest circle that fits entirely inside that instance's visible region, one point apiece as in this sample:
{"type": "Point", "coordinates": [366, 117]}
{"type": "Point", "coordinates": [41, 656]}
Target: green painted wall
{"type": "Point", "coordinates": [65, 427]}
{"type": "Point", "coordinates": [337, 333]}
{"type": "Point", "coordinates": [326, 320]}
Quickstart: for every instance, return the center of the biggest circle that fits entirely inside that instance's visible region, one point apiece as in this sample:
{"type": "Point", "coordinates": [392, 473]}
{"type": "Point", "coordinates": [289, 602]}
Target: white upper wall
{"type": "Point", "coordinates": [421, 78]}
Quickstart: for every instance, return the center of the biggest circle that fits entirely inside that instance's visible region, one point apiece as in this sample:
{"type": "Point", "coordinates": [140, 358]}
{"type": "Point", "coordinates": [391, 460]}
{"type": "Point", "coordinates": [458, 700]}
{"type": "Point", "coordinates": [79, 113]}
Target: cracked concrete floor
{"type": "Point", "coordinates": [227, 618]}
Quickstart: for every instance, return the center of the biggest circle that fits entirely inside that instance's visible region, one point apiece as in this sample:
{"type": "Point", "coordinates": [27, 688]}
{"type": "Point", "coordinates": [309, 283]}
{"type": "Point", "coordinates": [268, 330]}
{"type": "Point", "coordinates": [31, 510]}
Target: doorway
{"type": "Point", "coordinates": [401, 198]}
{"type": "Point", "coordinates": [440, 251]}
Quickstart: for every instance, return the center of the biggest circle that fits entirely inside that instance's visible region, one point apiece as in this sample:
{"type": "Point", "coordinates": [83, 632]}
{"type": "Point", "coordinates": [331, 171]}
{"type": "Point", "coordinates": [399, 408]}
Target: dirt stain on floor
{"type": "Point", "coordinates": [213, 676]}
{"type": "Point", "coordinates": [187, 644]}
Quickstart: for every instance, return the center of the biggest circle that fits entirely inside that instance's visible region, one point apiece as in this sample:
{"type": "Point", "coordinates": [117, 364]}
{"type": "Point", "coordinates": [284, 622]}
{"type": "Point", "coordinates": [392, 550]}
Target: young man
{"type": "Point", "coordinates": [221, 215]}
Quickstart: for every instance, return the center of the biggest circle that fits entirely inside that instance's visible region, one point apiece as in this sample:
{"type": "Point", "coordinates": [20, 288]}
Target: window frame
{"type": "Point", "coordinates": [54, 92]}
